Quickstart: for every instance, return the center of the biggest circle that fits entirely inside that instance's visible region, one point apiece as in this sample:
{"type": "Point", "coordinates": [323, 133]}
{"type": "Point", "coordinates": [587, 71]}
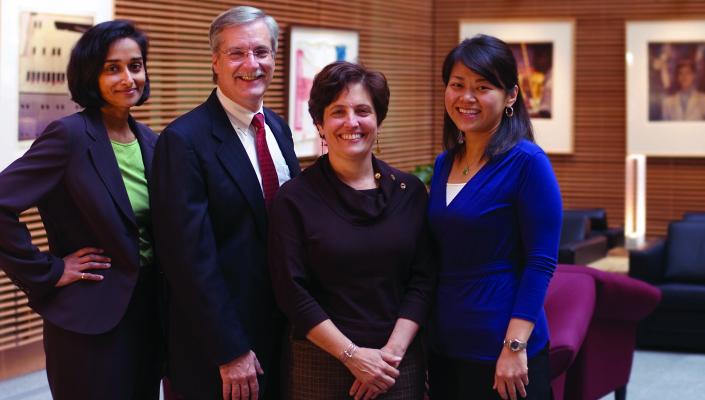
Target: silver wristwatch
{"type": "Point", "coordinates": [514, 344]}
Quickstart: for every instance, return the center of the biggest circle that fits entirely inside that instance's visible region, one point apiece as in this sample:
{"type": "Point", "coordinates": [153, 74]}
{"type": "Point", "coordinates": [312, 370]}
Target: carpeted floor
{"type": "Point", "coordinates": [663, 376]}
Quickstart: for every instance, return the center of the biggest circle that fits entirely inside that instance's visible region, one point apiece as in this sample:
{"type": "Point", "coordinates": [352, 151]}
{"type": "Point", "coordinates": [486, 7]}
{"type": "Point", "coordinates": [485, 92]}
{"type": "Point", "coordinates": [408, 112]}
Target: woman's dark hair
{"type": "Point", "coordinates": [88, 57]}
{"type": "Point", "coordinates": [335, 77]}
{"type": "Point", "coordinates": [493, 60]}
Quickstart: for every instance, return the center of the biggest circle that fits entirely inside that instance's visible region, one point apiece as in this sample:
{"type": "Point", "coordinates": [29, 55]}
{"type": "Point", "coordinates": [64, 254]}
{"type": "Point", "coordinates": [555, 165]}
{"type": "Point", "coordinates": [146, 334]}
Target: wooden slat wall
{"type": "Point", "coordinates": [395, 38]}
{"type": "Point", "coordinates": [594, 175]}
{"type": "Point", "coordinates": [19, 325]}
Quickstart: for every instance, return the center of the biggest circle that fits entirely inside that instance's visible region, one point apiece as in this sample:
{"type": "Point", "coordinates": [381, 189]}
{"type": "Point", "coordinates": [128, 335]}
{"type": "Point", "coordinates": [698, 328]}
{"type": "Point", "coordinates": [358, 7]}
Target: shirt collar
{"type": "Point", "coordinates": [237, 113]}
{"type": "Point", "coordinates": [687, 92]}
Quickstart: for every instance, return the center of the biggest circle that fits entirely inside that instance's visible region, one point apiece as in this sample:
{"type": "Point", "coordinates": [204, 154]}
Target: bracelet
{"type": "Point", "coordinates": [348, 352]}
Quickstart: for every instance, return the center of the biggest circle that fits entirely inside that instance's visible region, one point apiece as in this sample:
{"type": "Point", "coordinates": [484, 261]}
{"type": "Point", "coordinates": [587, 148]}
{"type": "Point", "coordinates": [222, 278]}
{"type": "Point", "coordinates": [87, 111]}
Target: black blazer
{"type": "Point", "coordinates": [71, 174]}
{"type": "Point", "coordinates": [210, 236]}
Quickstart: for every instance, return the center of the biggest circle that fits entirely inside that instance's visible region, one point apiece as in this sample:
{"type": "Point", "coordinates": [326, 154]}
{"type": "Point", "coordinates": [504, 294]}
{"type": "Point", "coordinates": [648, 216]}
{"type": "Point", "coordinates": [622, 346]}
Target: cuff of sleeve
{"type": "Point", "coordinates": [417, 312]}
{"type": "Point", "coordinates": [45, 286]}
{"type": "Point", "coordinates": [304, 323]}
{"type": "Point", "coordinates": [232, 345]}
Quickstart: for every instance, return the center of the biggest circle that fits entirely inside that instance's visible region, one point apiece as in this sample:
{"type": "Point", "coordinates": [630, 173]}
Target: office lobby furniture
{"type": "Point", "coordinates": [577, 245]}
{"type": "Point", "coordinates": [694, 216]}
{"type": "Point", "coordinates": [569, 305]}
{"type": "Point", "coordinates": [676, 265]}
{"type": "Point", "coordinates": [593, 317]}
{"type": "Point", "coordinates": [599, 225]}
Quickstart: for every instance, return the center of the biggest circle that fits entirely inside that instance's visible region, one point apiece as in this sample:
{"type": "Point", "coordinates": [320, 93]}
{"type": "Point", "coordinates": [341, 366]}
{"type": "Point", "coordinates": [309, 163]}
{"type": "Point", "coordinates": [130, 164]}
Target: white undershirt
{"type": "Point", "coordinates": [241, 120]}
{"type": "Point", "coordinates": [452, 190]}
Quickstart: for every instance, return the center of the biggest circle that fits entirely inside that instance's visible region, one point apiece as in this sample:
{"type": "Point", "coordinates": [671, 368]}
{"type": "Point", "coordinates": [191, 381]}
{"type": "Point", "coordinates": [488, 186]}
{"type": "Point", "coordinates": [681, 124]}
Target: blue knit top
{"type": "Point", "coordinates": [498, 244]}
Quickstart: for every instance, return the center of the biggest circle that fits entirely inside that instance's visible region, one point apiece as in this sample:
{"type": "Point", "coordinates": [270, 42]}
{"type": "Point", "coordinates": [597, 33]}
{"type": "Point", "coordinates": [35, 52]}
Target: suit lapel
{"type": "Point", "coordinates": [235, 161]}
{"type": "Point", "coordinates": [105, 163]}
{"type": "Point", "coordinates": [147, 141]}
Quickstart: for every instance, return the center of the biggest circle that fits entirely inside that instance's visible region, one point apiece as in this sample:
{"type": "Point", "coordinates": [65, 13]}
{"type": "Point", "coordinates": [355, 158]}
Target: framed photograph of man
{"type": "Point", "coordinates": [676, 81]}
{"type": "Point", "coordinates": [545, 63]}
{"type": "Point", "coordinates": [311, 49]}
{"type": "Point", "coordinates": [666, 88]}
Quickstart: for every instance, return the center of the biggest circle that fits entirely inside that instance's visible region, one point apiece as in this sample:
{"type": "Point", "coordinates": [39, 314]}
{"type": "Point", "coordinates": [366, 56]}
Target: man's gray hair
{"type": "Point", "coordinates": [242, 15]}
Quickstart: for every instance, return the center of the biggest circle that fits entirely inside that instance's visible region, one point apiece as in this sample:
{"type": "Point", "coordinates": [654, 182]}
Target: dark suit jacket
{"type": "Point", "coordinates": [71, 174]}
{"type": "Point", "coordinates": [210, 230]}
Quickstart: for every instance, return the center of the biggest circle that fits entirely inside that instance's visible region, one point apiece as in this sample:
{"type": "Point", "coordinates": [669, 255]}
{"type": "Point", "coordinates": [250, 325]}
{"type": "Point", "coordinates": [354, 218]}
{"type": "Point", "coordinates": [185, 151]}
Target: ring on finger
{"type": "Point", "coordinates": [83, 276]}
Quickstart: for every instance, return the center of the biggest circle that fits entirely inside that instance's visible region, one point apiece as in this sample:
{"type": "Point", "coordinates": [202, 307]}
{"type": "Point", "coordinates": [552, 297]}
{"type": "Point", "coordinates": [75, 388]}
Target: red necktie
{"type": "Point", "coordinates": [270, 181]}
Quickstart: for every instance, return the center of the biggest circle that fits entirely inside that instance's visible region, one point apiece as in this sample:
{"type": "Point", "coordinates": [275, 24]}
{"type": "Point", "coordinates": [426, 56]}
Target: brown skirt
{"type": "Point", "coordinates": [312, 374]}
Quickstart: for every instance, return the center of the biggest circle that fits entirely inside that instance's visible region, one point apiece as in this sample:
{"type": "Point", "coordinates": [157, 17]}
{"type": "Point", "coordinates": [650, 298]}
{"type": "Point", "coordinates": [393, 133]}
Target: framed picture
{"type": "Point", "coordinates": [544, 54]}
{"type": "Point", "coordinates": [46, 41]}
{"type": "Point", "coordinates": [311, 49]}
{"type": "Point", "coordinates": [14, 22]}
{"type": "Point", "coordinates": [666, 88]}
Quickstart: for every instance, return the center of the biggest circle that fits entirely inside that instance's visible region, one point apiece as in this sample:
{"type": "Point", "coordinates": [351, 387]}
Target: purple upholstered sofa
{"type": "Point", "coordinates": [593, 316]}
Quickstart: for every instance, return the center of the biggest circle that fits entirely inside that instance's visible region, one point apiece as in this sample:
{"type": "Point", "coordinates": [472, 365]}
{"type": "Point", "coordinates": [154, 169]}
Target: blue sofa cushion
{"type": "Point", "coordinates": [682, 296]}
{"type": "Point", "coordinates": [685, 254]}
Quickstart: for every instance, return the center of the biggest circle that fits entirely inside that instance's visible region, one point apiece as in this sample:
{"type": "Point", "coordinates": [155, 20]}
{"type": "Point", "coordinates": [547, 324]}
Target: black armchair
{"type": "Point", "coordinates": [676, 265]}
{"type": "Point", "coordinates": [599, 226]}
{"type": "Point", "coordinates": [576, 245]}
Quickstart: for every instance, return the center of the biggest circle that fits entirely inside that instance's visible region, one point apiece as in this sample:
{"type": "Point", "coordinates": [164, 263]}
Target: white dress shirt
{"type": "Point", "coordinates": [241, 120]}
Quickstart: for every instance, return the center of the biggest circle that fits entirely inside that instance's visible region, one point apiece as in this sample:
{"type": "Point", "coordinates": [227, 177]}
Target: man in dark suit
{"type": "Point", "coordinates": [216, 169]}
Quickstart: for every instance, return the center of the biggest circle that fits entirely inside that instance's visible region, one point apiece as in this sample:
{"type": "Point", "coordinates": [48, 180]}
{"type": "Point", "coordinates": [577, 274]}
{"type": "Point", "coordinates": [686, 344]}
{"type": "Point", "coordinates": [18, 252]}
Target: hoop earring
{"type": "Point", "coordinates": [509, 111]}
{"type": "Point", "coordinates": [461, 137]}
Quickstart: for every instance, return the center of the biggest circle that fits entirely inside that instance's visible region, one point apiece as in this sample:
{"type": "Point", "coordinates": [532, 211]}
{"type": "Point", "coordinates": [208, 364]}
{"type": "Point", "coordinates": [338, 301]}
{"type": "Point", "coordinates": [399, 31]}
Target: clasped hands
{"type": "Point", "coordinates": [375, 371]}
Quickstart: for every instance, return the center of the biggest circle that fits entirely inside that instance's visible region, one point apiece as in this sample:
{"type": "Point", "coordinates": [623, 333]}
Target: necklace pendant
{"type": "Point", "coordinates": [466, 170]}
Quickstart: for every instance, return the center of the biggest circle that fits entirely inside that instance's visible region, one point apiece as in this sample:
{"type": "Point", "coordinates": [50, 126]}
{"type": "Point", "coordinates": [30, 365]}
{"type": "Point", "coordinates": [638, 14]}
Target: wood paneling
{"type": "Point", "coordinates": [593, 176]}
{"type": "Point", "coordinates": [20, 327]}
{"type": "Point", "coordinates": [395, 38]}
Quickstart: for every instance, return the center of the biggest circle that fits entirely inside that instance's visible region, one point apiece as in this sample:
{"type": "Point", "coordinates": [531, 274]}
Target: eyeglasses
{"type": "Point", "coordinates": [240, 55]}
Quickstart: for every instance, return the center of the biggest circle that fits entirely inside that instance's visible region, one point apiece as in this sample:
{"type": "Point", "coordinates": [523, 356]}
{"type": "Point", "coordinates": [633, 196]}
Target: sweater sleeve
{"type": "Point", "coordinates": [23, 185]}
{"type": "Point", "coordinates": [287, 266]}
{"type": "Point", "coordinates": [422, 280]}
{"type": "Point", "coordinates": [539, 212]}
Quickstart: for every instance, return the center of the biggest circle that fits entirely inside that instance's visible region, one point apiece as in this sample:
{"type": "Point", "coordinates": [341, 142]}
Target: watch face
{"type": "Point", "coordinates": [515, 344]}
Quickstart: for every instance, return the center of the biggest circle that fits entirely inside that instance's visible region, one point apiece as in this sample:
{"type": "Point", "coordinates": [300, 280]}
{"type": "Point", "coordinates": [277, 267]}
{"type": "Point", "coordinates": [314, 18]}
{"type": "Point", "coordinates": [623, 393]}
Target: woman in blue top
{"type": "Point", "coordinates": [495, 213]}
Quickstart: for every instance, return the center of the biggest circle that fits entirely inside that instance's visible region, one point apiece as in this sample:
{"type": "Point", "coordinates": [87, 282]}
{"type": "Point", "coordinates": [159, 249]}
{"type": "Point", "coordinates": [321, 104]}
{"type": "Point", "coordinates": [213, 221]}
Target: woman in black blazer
{"type": "Point", "coordinates": [88, 173]}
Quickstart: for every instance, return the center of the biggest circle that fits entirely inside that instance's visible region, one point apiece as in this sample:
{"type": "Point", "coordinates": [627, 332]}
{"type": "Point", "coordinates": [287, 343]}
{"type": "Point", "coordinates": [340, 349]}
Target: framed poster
{"type": "Point", "coordinates": [311, 49]}
{"type": "Point", "coordinates": [666, 88]}
{"type": "Point", "coordinates": [545, 63]}
{"type": "Point", "coordinates": [45, 46]}
{"type": "Point", "coordinates": [12, 27]}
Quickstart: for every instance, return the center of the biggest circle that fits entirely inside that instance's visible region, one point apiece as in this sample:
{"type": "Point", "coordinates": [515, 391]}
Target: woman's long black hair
{"type": "Point", "coordinates": [493, 60]}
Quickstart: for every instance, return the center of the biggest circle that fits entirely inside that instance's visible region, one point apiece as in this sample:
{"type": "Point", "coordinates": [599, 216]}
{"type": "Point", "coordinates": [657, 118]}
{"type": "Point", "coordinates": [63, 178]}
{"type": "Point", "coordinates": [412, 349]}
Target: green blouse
{"type": "Point", "coordinates": [129, 159]}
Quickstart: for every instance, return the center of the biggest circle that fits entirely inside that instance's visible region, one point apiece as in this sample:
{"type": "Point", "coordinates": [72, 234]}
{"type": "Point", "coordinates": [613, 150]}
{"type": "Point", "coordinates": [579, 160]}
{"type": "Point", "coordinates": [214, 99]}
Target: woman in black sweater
{"type": "Point", "coordinates": [349, 254]}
